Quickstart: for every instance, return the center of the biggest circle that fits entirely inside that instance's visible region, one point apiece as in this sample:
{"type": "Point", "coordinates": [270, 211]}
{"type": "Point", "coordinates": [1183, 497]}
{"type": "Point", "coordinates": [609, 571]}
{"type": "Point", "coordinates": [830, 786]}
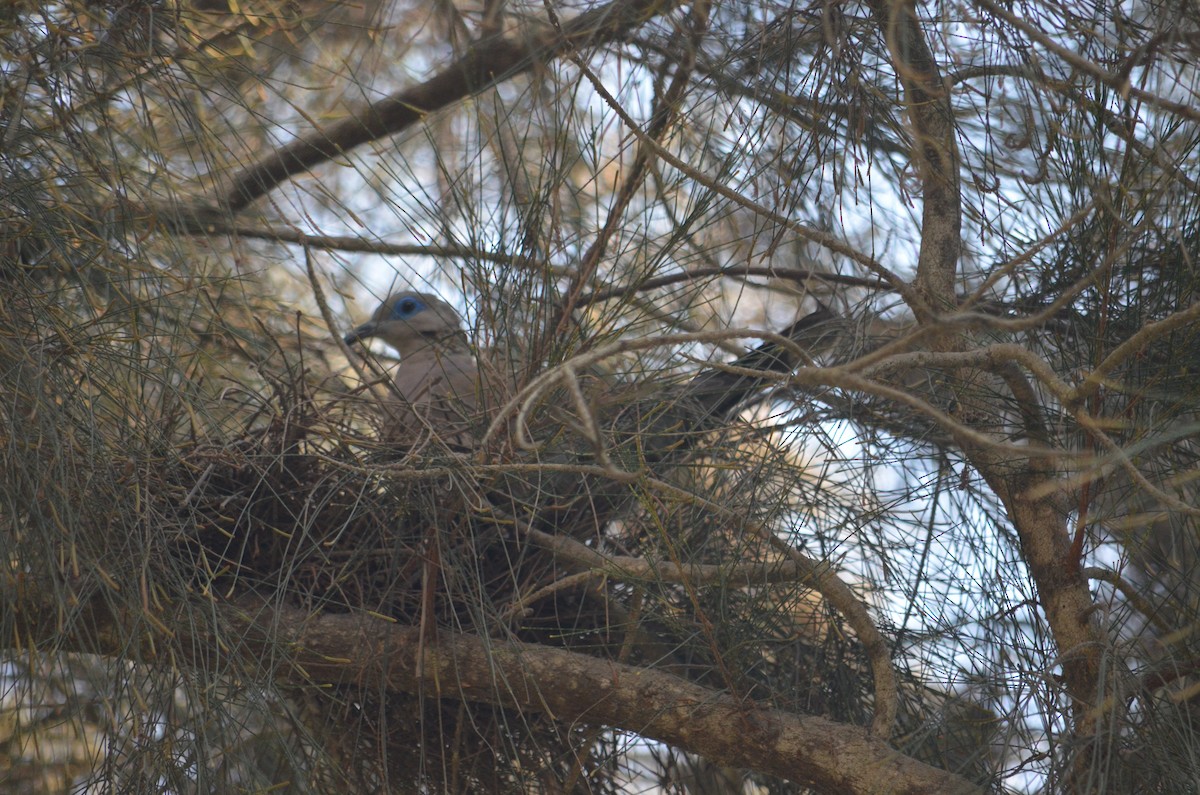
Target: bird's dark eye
{"type": "Point", "coordinates": [406, 308]}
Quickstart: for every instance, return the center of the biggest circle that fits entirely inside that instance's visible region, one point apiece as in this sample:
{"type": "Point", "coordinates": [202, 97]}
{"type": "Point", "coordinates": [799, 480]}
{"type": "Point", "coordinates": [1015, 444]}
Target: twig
{"type": "Point", "coordinates": [632, 569]}
{"type": "Point", "coordinates": [821, 577]}
{"type": "Point", "coordinates": [1119, 82]}
{"type": "Point", "coordinates": [1141, 338]}
{"type": "Point", "coordinates": [807, 232]}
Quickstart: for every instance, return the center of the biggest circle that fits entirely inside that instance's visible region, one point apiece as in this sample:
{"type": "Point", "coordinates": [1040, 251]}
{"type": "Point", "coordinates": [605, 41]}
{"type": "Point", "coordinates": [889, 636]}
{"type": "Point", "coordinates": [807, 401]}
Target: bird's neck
{"type": "Point", "coordinates": [435, 345]}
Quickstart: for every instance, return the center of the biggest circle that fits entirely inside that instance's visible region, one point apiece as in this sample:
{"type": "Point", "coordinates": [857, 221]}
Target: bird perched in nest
{"type": "Point", "coordinates": [441, 392]}
{"type": "Point", "coordinates": [437, 381]}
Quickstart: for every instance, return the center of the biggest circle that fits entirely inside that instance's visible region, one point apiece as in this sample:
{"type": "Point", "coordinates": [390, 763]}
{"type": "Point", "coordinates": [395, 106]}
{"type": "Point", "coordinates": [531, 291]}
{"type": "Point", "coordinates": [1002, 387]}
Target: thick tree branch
{"type": "Point", "coordinates": [487, 62]}
{"type": "Point", "coordinates": [935, 153]}
{"type": "Point", "coordinates": [577, 688]}
{"type": "Point", "coordinates": [572, 687]}
{"type": "Point", "coordinates": [373, 653]}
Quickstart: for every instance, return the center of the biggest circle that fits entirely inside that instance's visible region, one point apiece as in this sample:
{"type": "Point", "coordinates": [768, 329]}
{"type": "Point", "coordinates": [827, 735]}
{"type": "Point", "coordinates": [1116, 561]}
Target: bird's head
{"type": "Point", "coordinates": [410, 321]}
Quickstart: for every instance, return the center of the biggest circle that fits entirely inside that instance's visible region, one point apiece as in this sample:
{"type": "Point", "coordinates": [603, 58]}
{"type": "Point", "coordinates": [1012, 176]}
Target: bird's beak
{"type": "Point", "coordinates": [365, 331]}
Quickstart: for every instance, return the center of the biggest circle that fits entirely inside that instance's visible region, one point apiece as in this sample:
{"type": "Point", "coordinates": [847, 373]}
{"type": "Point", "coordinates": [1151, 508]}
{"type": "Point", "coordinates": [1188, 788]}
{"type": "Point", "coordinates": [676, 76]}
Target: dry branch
{"type": "Point", "coordinates": [373, 653]}
{"type": "Point", "coordinates": [488, 61]}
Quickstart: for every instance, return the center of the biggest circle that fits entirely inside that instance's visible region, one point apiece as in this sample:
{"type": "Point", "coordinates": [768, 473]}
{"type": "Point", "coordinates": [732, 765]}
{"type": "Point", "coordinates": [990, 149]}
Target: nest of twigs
{"type": "Point", "coordinates": [308, 508]}
{"type": "Point", "coordinates": [306, 505]}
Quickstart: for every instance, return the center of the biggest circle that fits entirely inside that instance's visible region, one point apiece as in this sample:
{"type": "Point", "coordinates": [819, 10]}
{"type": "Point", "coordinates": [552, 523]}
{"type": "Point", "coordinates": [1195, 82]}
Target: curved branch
{"type": "Point", "coordinates": [1130, 347]}
{"type": "Point", "coordinates": [566, 686]}
{"type": "Point", "coordinates": [828, 756]}
{"type": "Point", "coordinates": [487, 62]}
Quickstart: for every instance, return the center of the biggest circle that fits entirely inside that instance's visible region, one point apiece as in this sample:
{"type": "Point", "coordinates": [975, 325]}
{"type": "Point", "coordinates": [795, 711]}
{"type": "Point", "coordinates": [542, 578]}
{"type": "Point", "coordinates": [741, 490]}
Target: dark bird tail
{"type": "Point", "coordinates": [719, 390]}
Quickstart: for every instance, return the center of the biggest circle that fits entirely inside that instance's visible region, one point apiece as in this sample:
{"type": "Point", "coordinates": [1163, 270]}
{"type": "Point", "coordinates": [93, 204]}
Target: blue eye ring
{"type": "Point", "coordinates": [406, 307]}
